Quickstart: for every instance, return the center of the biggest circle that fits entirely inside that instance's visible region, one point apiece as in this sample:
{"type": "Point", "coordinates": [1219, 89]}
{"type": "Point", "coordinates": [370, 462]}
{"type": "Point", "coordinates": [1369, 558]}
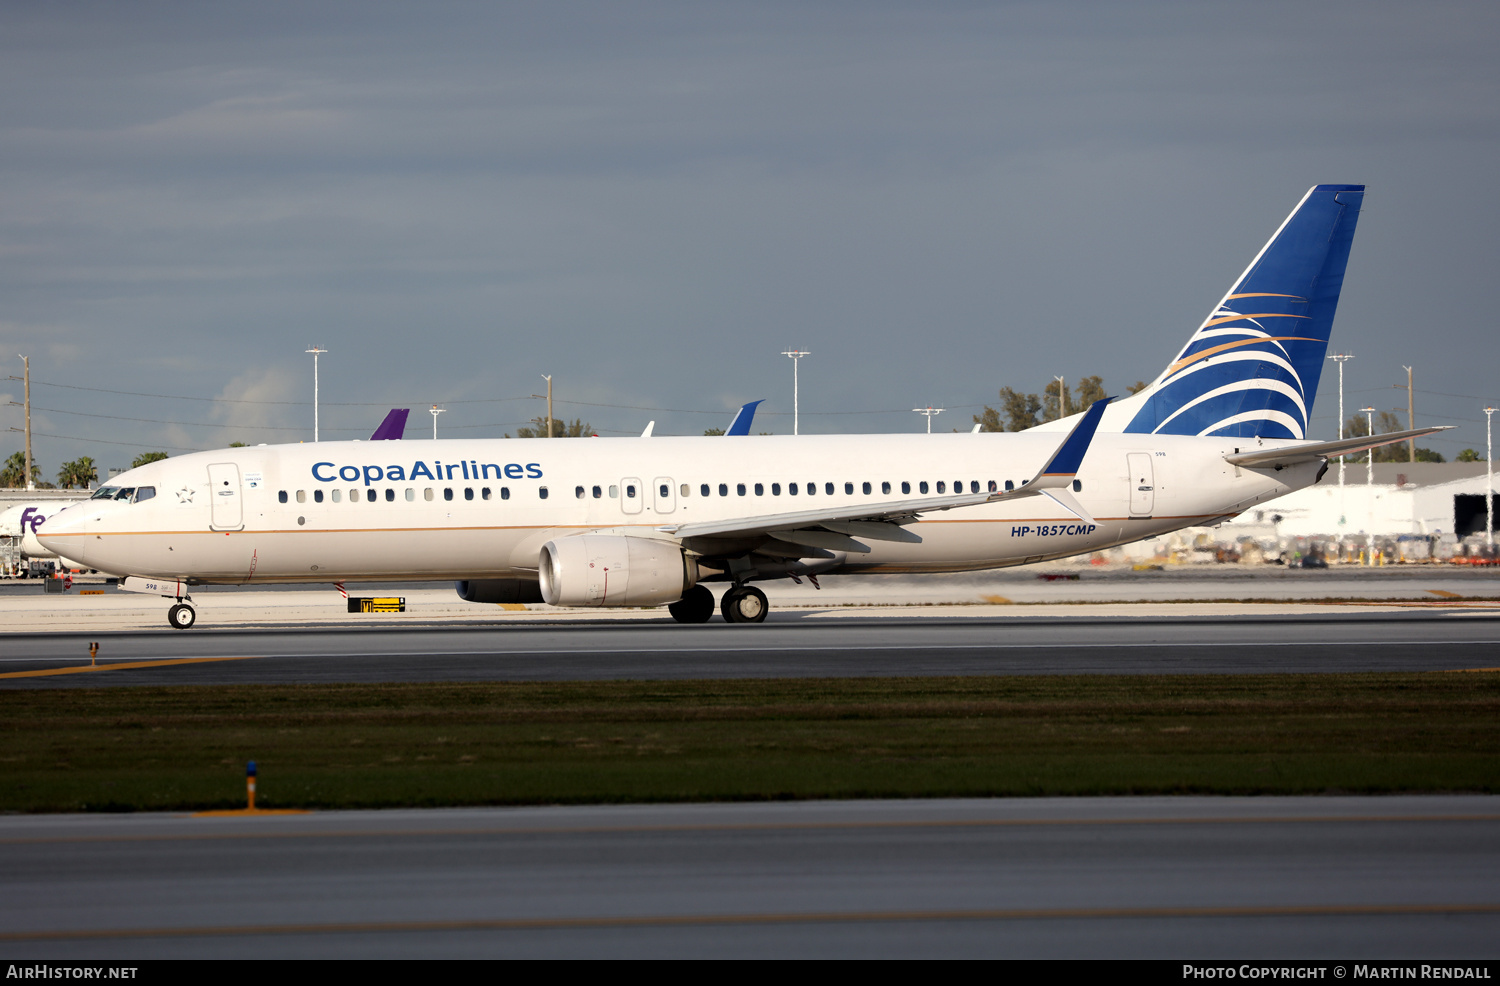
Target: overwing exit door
{"type": "Point", "coordinates": [1142, 484]}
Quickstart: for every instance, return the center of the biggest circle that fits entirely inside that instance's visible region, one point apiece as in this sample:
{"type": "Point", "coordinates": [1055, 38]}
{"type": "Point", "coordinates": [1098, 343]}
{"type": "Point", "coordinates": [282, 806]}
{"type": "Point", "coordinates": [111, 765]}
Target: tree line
{"type": "Point", "coordinates": [78, 474]}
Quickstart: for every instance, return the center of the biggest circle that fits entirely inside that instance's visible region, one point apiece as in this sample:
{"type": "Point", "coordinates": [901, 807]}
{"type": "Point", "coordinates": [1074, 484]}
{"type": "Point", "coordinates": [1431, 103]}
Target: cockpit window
{"type": "Point", "coordinates": [105, 493]}
{"type": "Point", "coordinates": [144, 493]}
{"type": "Point", "coordinates": [125, 493]}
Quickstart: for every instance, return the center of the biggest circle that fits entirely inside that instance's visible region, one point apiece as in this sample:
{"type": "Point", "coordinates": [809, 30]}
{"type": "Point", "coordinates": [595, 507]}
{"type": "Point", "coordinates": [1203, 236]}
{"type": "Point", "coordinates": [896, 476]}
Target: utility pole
{"type": "Point", "coordinates": [929, 411]}
{"type": "Point", "coordinates": [315, 350]}
{"type": "Point", "coordinates": [1489, 483]}
{"type": "Point", "coordinates": [1062, 397]}
{"type": "Point", "coordinates": [1370, 455]}
{"type": "Point", "coordinates": [435, 412]}
{"type": "Point", "coordinates": [30, 469]}
{"type": "Point", "coordinates": [548, 377]}
{"type": "Point", "coordinates": [796, 355]}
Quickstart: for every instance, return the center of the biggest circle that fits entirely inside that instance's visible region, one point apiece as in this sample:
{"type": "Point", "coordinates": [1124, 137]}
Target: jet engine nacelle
{"type": "Point", "coordinates": [498, 591]}
{"type": "Point", "coordinates": [614, 570]}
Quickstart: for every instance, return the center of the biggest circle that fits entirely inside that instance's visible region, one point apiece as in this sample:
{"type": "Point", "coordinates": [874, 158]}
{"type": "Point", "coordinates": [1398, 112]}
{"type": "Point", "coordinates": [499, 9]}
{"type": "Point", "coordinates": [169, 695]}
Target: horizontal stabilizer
{"type": "Point", "coordinates": [1294, 454]}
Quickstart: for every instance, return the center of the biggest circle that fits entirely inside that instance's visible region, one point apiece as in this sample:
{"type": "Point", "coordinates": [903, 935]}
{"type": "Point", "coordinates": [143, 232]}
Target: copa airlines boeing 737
{"type": "Point", "coordinates": [647, 521]}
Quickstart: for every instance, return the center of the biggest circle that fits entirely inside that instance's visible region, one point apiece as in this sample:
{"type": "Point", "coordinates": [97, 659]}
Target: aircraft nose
{"type": "Point", "coordinates": [62, 533]}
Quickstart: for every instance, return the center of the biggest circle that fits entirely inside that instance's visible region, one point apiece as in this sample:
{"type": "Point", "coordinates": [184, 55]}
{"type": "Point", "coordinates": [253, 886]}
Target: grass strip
{"type": "Point", "coordinates": [395, 745]}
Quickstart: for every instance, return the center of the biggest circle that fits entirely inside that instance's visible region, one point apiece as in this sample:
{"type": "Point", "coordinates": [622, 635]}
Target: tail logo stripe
{"type": "Point", "coordinates": [1224, 347]}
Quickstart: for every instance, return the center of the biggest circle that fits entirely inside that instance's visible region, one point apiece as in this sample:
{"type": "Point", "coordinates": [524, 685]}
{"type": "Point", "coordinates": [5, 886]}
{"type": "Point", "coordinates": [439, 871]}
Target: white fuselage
{"type": "Point", "coordinates": [453, 509]}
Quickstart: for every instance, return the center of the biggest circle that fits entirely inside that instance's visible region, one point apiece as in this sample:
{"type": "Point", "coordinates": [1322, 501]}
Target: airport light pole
{"type": "Point", "coordinates": [929, 411]}
{"type": "Point", "coordinates": [1341, 358]}
{"type": "Point", "coordinates": [1489, 483]}
{"type": "Point", "coordinates": [435, 412]}
{"type": "Point", "coordinates": [1370, 455]}
{"type": "Point", "coordinates": [1062, 397]}
{"type": "Point", "coordinates": [796, 357]}
{"type": "Point", "coordinates": [315, 350]}
{"type": "Point", "coordinates": [548, 377]}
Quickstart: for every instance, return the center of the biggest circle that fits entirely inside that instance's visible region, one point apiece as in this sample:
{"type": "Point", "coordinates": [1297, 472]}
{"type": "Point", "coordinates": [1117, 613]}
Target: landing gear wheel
{"type": "Point", "coordinates": [182, 616]}
{"type": "Point", "coordinates": [744, 604]}
{"type": "Point", "coordinates": [695, 606]}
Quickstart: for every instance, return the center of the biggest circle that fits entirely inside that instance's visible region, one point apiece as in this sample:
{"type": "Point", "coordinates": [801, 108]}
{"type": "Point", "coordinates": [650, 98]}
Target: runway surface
{"type": "Point", "coordinates": [1360, 878]}
{"type": "Point", "coordinates": [789, 645]}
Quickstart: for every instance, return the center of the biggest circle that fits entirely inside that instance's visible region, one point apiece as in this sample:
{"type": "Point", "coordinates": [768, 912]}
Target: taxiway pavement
{"type": "Point", "coordinates": [1345, 877]}
{"type": "Point", "coordinates": [838, 643]}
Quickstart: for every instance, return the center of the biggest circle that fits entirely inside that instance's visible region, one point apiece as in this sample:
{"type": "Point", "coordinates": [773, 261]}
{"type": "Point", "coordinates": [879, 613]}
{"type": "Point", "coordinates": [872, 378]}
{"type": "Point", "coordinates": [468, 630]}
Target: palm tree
{"type": "Point", "coordinates": [13, 473]}
{"type": "Point", "coordinates": [80, 472]}
{"type": "Point", "coordinates": [146, 457]}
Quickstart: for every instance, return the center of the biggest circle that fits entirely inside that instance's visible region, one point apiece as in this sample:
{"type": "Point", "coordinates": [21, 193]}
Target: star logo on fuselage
{"type": "Point", "coordinates": [185, 495]}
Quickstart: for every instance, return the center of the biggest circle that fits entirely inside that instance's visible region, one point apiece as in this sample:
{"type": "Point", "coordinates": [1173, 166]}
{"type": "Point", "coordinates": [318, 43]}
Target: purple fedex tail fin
{"type": "Point", "coordinates": [393, 428]}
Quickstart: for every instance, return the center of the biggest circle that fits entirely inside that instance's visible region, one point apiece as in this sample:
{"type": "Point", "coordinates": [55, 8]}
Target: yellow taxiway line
{"type": "Point", "coordinates": [815, 917]}
{"type": "Point", "coordinates": [120, 666]}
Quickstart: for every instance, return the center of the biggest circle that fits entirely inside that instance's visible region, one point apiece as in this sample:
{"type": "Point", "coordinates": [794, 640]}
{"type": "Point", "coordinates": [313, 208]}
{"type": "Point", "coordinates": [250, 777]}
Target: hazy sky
{"type": "Point", "coordinates": [651, 201]}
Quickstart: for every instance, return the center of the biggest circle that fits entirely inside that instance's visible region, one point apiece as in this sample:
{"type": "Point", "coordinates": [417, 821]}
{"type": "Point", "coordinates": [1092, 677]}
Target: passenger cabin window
{"type": "Point", "coordinates": [599, 493]}
{"type": "Point", "coordinates": [687, 489]}
{"type": "Point", "coordinates": [760, 489]}
{"type": "Point", "coordinates": [905, 487]}
{"type": "Point", "coordinates": [993, 488]}
{"type": "Point", "coordinates": [468, 492]}
{"type": "Point", "coordinates": [614, 491]}
{"type": "Point", "coordinates": [849, 489]}
{"type": "Point", "coordinates": [865, 488]}
{"type": "Point", "coordinates": [338, 495]}
{"type": "Point", "coordinates": [427, 493]}
{"type": "Point", "coordinates": [942, 487]}
{"type": "Point", "coordinates": [828, 488]}
{"type": "Point", "coordinates": [703, 490]}
{"type": "Point", "coordinates": [1009, 485]}
{"type": "Point", "coordinates": [775, 489]}
{"type": "Point", "coordinates": [812, 489]}
{"type": "Point", "coordinates": [485, 493]}
{"type": "Point", "coordinates": [280, 496]}
{"type": "Point", "coordinates": [542, 492]}
{"type": "Point", "coordinates": [791, 488]}
{"type": "Point", "coordinates": [663, 491]}
{"type": "Point", "coordinates": [922, 486]}
{"type": "Point", "coordinates": [505, 492]}
{"type": "Point", "coordinates": [411, 495]}
{"type": "Point", "coordinates": [724, 489]}
{"type": "Point", "coordinates": [578, 492]}
{"type": "Point", "coordinates": [739, 488]}
{"type": "Point", "coordinates": [354, 496]}
{"type": "Point", "coordinates": [630, 491]}
{"type": "Point", "coordinates": [973, 486]}
{"type": "Point", "coordinates": [302, 496]}
{"type": "Point", "coordinates": [447, 493]}
{"type": "Point", "coordinates": [885, 487]}
{"type": "Point", "coordinates": [390, 496]}
{"type": "Point", "coordinates": [1077, 486]}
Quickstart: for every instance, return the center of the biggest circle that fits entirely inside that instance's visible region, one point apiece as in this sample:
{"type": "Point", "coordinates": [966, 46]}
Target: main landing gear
{"type": "Point", "coordinates": [744, 604]}
{"type": "Point", "coordinates": [696, 606]}
{"type": "Point", "coordinates": [182, 616]}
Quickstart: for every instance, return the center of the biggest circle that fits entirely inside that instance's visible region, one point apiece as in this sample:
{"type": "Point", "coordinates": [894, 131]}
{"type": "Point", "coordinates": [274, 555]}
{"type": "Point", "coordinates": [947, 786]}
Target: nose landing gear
{"type": "Point", "coordinates": [744, 604]}
{"type": "Point", "coordinates": [182, 616]}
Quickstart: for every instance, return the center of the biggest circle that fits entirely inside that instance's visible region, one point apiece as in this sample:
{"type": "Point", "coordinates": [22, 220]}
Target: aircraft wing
{"type": "Point", "coordinates": [1292, 455]}
{"type": "Point", "coordinates": [836, 527]}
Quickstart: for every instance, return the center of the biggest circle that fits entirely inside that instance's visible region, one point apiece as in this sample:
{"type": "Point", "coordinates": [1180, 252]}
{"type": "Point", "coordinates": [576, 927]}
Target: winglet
{"type": "Point", "coordinates": [393, 428]}
{"type": "Point", "coordinates": [1061, 470]}
{"type": "Point", "coordinates": [741, 423]}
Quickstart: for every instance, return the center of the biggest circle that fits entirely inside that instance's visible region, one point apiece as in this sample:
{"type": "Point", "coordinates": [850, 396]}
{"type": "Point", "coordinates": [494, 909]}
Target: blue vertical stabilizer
{"type": "Point", "coordinates": [1252, 368]}
{"type": "Point", "coordinates": [741, 423]}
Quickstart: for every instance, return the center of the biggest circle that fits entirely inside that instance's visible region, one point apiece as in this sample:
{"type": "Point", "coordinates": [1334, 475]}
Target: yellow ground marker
{"type": "Point", "coordinates": [121, 666]}
{"type": "Point", "coordinates": [1445, 593]}
{"type": "Point", "coordinates": [997, 600]}
{"type": "Point", "coordinates": [250, 808]}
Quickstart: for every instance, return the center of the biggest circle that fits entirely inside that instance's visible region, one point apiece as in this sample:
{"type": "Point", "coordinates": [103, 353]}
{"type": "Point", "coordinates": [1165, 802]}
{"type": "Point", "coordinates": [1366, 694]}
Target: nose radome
{"type": "Point", "coordinates": [58, 533]}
